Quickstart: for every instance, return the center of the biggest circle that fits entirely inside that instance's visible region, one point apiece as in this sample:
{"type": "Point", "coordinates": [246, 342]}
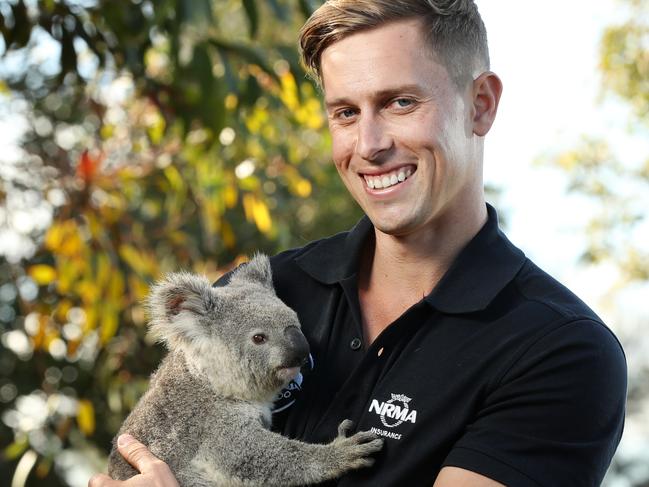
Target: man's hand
{"type": "Point", "coordinates": [153, 471]}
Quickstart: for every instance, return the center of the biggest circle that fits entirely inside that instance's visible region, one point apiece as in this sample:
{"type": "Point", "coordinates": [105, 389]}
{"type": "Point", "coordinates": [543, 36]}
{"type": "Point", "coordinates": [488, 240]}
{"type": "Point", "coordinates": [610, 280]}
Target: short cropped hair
{"type": "Point", "coordinates": [453, 29]}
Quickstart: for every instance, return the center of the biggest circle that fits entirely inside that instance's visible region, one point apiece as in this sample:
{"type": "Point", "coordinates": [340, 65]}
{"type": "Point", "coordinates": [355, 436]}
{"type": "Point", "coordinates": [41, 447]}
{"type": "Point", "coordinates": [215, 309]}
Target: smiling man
{"type": "Point", "coordinates": [426, 325]}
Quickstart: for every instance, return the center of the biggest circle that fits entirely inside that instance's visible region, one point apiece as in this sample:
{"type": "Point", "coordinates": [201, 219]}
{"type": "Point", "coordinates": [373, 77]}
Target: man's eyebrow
{"type": "Point", "coordinates": [380, 95]}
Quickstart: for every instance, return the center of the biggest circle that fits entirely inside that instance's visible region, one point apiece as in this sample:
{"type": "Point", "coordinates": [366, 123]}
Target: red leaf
{"type": "Point", "coordinates": [87, 166]}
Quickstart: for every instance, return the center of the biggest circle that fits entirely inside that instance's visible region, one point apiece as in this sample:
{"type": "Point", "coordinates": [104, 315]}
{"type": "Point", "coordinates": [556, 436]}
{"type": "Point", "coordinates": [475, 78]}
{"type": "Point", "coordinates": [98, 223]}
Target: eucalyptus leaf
{"type": "Point", "coordinates": [306, 7]}
{"type": "Point", "coordinates": [252, 13]}
{"type": "Point", "coordinates": [280, 11]}
{"type": "Point", "coordinates": [247, 53]}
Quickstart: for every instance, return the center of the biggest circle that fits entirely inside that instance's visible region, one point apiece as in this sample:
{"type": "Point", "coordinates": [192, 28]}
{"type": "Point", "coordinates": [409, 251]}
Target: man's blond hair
{"type": "Point", "coordinates": [453, 29]}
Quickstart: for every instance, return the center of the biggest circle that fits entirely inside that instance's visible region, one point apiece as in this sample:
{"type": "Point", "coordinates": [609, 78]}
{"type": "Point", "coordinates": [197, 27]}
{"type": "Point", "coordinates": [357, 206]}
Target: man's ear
{"type": "Point", "coordinates": [176, 304]}
{"type": "Point", "coordinates": [487, 89]}
{"type": "Point", "coordinates": [257, 271]}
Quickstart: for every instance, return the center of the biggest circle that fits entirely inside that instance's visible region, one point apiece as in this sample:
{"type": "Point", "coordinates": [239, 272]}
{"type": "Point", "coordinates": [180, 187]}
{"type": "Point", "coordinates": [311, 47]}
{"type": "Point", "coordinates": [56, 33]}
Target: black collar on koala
{"type": "Point", "coordinates": [481, 270]}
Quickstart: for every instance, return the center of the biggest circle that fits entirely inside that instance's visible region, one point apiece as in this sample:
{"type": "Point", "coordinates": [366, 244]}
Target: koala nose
{"type": "Point", "coordinates": [298, 347]}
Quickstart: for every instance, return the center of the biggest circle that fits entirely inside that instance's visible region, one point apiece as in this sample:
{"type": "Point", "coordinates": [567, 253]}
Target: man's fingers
{"type": "Point", "coordinates": [101, 480]}
{"type": "Point", "coordinates": [153, 471]}
{"type": "Point", "coordinates": [138, 455]}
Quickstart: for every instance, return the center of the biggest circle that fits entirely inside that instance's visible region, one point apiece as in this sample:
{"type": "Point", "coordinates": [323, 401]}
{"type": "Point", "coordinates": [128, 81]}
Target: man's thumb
{"type": "Point", "coordinates": [136, 453]}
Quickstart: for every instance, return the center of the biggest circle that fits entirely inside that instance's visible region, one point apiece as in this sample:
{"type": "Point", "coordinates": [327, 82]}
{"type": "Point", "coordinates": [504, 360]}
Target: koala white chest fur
{"type": "Point", "coordinates": [207, 410]}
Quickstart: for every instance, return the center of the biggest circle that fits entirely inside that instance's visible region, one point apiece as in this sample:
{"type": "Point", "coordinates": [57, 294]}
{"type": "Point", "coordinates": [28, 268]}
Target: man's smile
{"type": "Point", "coordinates": [390, 178]}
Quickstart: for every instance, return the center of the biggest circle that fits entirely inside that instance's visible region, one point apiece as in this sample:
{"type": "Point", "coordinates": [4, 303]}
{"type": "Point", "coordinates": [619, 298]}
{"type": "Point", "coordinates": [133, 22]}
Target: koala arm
{"type": "Point", "coordinates": [251, 455]}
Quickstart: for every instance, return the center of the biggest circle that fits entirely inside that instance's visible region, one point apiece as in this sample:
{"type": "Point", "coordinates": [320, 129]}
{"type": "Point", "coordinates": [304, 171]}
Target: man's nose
{"type": "Point", "coordinates": [372, 139]}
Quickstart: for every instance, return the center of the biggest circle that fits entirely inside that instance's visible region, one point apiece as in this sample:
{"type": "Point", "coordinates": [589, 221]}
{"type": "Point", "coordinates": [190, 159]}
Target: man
{"type": "Point", "coordinates": [426, 324]}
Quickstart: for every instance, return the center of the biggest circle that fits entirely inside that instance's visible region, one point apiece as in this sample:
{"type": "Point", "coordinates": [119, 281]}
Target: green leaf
{"type": "Point", "coordinates": [279, 10]}
{"type": "Point", "coordinates": [291, 56]}
{"type": "Point", "coordinates": [210, 106]}
{"type": "Point", "coordinates": [4, 29]}
{"type": "Point", "coordinates": [253, 16]}
{"type": "Point", "coordinates": [15, 449]}
{"type": "Point", "coordinates": [306, 8]}
{"type": "Point", "coordinates": [22, 28]}
{"type": "Point", "coordinates": [245, 52]}
{"type": "Point", "coordinates": [68, 55]}
{"type": "Point", "coordinates": [197, 12]}
{"type": "Point", "coordinates": [252, 92]}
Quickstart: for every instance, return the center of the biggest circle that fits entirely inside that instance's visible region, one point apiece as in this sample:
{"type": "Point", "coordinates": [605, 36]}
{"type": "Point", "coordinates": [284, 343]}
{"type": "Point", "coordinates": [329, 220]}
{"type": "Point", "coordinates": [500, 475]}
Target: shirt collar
{"type": "Point", "coordinates": [481, 270]}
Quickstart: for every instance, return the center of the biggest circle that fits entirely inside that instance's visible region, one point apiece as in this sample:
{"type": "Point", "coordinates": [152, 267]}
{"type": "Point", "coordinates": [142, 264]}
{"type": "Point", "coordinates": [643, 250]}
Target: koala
{"type": "Point", "coordinates": [207, 412]}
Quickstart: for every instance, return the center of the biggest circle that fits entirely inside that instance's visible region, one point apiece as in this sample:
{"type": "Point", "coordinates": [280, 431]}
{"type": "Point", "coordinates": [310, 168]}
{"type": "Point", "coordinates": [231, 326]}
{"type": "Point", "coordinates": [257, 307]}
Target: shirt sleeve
{"type": "Point", "coordinates": [554, 416]}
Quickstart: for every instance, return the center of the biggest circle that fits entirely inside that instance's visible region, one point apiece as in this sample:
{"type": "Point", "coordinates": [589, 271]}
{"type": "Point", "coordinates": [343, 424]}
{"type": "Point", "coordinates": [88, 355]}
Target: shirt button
{"type": "Point", "coordinates": [355, 344]}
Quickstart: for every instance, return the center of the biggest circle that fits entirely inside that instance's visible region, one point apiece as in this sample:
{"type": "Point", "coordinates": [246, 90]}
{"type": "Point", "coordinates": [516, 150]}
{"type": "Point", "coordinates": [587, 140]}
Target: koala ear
{"type": "Point", "coordinates": [175, 305]}
{"type": "Point", "coordinates": [256, 271]}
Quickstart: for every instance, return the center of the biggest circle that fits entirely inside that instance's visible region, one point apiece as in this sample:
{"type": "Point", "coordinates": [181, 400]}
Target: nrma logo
{"type": "Point", "coordinates": [395, 411]}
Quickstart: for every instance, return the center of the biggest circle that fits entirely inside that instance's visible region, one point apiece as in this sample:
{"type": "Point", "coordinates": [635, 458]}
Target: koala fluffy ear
{"type": "Point", "coordinates": [256, 271]}
{"type": "Point", "coordinates": [175, 305]}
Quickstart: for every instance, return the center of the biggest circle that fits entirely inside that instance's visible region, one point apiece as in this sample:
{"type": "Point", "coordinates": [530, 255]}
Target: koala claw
{"type": "Point", "coordinates": [365, 437]}
{"type": "Point", "coordinates": [345, 427]}
{"type": "Point", "coordinates": [355, 450]}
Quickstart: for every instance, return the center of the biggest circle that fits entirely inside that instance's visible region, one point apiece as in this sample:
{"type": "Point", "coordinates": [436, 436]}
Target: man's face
{"type": "Point", "coordinates": [403, 140]}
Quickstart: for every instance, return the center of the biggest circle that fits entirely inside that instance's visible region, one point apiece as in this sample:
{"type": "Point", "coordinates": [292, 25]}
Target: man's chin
{"type": "Point", "coordinates": [395, 227]}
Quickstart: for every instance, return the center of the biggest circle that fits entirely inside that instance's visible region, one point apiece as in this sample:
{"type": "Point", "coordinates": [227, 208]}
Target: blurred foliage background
{"type": "Point", "coordinates": [617, 235]}
{"type": "Point", "coordinates": [178, 134]}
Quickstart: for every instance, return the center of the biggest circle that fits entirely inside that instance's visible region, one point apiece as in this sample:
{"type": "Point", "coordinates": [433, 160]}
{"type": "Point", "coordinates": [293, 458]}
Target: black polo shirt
{"type": "Point", "coordinates": [500, 369]}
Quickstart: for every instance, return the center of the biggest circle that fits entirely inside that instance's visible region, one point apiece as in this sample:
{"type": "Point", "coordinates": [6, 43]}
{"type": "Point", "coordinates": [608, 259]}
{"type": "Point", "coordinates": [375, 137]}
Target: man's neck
{"type": "Point", "coordinates": [421, 259]}
{"type": "Point", "coordinates": [400, 270]}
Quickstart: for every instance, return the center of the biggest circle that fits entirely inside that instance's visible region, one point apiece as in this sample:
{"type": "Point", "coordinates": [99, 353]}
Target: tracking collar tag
{"type": "Point", "coordinates": [287, 396]}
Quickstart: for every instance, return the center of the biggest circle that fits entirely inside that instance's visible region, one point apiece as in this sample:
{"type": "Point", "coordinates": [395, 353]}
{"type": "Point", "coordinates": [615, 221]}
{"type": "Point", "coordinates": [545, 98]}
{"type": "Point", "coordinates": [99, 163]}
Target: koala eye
{"type": "Point", "coordinates": [259, 338]}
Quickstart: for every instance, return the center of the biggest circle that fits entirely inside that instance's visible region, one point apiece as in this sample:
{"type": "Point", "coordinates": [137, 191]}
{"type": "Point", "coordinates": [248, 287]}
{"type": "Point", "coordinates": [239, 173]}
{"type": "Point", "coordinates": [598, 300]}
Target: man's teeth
{"type": "Point", "coordinates": [387, 180]}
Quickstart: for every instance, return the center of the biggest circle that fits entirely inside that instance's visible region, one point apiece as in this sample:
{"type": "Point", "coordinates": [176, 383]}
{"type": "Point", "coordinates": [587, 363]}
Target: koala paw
{"type": "Point", "coordinates": [354, 451]}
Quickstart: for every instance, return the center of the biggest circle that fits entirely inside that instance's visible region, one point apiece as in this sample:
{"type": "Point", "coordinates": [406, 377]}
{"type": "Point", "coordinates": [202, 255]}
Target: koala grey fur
{"type": "Point", "coordinates": [207, 411]}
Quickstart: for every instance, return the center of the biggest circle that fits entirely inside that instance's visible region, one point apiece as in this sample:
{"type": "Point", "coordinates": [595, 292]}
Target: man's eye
{"type": "Point", "coordinates": [403, 102]}
{"type": "Point", "coordinates": [346, 113]}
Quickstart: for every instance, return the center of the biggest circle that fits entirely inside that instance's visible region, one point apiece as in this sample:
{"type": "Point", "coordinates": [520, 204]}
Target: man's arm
{"type": "Point", "coordinates": [554, 417]}
{"type": "Point", "coordinates": [459, 477]}
{"type": "Point", "coordinates": [153, 471]}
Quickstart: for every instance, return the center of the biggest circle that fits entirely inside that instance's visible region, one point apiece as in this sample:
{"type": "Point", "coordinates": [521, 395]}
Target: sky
{"type": "Point", "coordinates": [546, 53]}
